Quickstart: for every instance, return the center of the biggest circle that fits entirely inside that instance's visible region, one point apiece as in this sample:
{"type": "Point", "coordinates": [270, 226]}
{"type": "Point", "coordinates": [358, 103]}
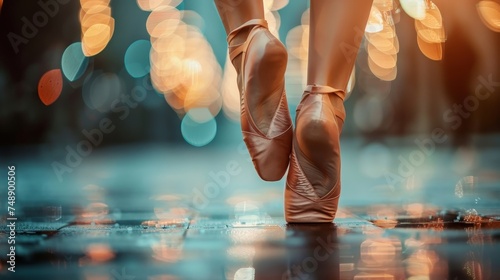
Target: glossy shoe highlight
{"type": "Point", "coordinates": [265, 118]}
{"type": "Point", "coordinates": [313, 183]}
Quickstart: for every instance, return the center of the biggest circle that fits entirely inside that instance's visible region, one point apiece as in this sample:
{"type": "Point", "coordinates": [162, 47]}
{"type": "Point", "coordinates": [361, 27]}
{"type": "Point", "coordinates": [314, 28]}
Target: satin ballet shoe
{"type": "Point", "coordinates": [313, 183]}
{"type": "Point", "coordinates": [261, 75]}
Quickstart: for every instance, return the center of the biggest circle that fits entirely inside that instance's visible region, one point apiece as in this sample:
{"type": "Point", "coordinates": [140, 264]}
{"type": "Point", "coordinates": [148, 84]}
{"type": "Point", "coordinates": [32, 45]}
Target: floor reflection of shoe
{"type": "Point", "coordinates": [313, 182]}
{"type": "Point", "coordinates": [266, 132]}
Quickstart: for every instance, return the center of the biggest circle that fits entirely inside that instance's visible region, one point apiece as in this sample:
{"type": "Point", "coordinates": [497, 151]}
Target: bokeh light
{"type": "Point", "coordinates": [198, 134]}
{"type": "Point", "coordinates": [183, 65]}
{"type": "Point", "coordinates": [200, 115]}
{"type": "Point", "coordinates": [414, 8]}
{"type": "Point", "coordinates": [375, 21]}
{"type": "Point", "coordinates": [95, 212]}
{"type": "Point", "coordinates": [432, 51]}
{"type": "Point", "coordinates": [96, 38]}
{"type": "Point", "coordinates": [149, 5]}
{"type": "Point", "coordinates": [489, 12]}
{"type": "Point", "coordinates": [430, 32]}
{"type": "Point", "coordinates": [74, 62]}
{"type": "Point", "coordinates": [97, 26]}
{"type": "Point", "coordinates": [99, 252]}
{"type": "Point", "coordinates": [275, 5]}
{"type": "Point", "coordinates": [137, 58]}
{"type": "Point", "coordinates": [170, 210]}
{"type": "Point", "coordinates": [163, 21]}
{"type": "Point", "coordinates": [297, 42]}
{"type": "Point", "coordinates": [466, 187]}
{"type": "Point", "coordinates": [245, 273]}
{"type": "Point", "coordinates": [101, 91]}
{"type": "Point", "coordinates": [247, 213]}
{"type": "Point", "coordinates": [379, 252]}
{"type": "Point", "coordinates": [50, 86]}
{"type": "Point", "coordinates": [382, 44]}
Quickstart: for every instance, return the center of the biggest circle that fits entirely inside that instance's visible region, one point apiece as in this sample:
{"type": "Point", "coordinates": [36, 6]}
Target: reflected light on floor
{"type": "Point", "coordinates": [170, 211]}
{"type": "Point", "coordinates": [97, 277]}
{"type": "Point", "coordinates": [97, 253]}
{"type": "Point", "coordinates": [420, 264]}
{"type": "Point", "coordinates": [414, 210]}
{"type": "Point", "coordinates": [466, 188]}
{"type": "Point", "coordinates": [247, 213]}
{"type": "Point", "coordinates": [95, 213]}
{"type": "Point", "coordinates": [162, 277]}
{"type": "Point", "coordinates": [373, 276]}
{"type": "Point", "coordinates": [241, 252]}
{"type": "Point", "coordinates": [384, 216]}
{"type": "Point", "coordinates": [378, 251]}
{"type": "Point", "coordinates": [169, 250]}
{"type": "Point", "coordinates": [380, 258]}
{"type": "Point", "coordinates": [474, 270]}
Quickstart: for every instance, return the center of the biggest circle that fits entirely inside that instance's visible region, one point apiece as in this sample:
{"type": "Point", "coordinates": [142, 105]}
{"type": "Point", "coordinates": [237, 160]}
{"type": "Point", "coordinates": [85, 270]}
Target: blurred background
{"type": "Point", "coordinates": [100, 92]}
{"type": "Point", "coordinates": [414, 65]}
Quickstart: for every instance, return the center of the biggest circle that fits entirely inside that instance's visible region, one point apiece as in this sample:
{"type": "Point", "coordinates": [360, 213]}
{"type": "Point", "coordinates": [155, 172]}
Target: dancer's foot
{"type": "Point", "coordinates": [313, 183]}
{"type": "Point", "coordinates": [260, 60]}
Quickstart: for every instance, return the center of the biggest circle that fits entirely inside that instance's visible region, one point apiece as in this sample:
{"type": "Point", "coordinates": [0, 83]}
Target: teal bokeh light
{"type": "Point", "coordinates": [74, 62]}
{"type": "Point", "coordinates": [137, 58]}
{"type": "Point", "coordinates": [198, 134]}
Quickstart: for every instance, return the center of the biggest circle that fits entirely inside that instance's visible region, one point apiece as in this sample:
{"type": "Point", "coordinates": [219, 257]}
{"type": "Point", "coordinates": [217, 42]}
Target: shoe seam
{"type": "Point", "coordinates": [262, 135]}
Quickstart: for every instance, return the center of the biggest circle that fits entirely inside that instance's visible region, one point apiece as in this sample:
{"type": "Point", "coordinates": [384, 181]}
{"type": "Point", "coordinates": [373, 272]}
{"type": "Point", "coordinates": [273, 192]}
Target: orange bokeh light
{"type": "Point", "coordinates": [433, 51]}
{"type": "Point", "coordinates": [96, 38]}
{"type": "Point", "coordinates": [489, 12]}
{"type": "Point", "coordinates": [99, 253]}
{"type": "Point", "coordinates": [150, 5]}
{"type": "Point", "coordinates": [97, 26]}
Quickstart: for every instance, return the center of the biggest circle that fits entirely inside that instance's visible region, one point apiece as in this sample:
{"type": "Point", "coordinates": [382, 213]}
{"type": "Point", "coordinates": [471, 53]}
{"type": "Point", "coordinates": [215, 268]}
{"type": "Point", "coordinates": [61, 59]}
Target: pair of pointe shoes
{"type": "Point", "coordinates": [312, 153]}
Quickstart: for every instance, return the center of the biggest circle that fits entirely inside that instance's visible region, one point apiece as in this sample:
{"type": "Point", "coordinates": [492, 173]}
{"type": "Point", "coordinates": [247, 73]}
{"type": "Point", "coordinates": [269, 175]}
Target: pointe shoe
{"type": "Point", "coordinates": [313, 183]}
{"type": "Point", "coordinates": [263, 64]}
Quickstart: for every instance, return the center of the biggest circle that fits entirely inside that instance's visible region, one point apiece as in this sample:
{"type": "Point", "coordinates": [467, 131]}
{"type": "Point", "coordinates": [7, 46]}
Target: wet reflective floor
{"type": "Point", "coordinates": [157, 213]}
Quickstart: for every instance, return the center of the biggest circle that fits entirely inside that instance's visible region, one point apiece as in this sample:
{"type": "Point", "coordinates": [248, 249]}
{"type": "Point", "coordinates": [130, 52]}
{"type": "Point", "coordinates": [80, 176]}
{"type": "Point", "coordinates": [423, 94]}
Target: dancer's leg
{"type": "Point", "coordinates": [260, 60]}
{"type": "Point", "coordinates": [234, 13]}
{"type": "Point", "coordinates": [335, 26]}
{"type": "Point", "coordinates": [336, 30]}
{"type": "Point", "coordinates": [262, 102]}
